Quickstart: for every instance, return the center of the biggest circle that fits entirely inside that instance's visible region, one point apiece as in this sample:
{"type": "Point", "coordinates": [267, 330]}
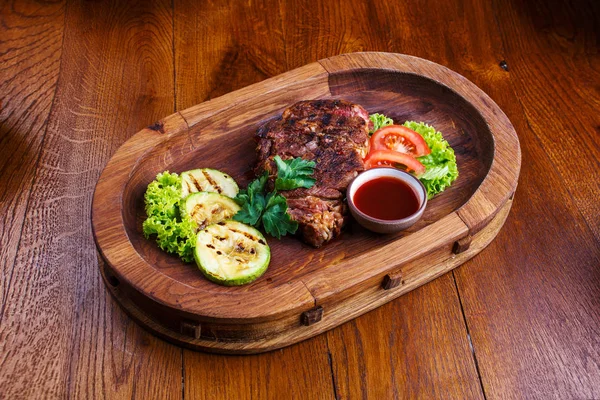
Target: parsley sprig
{"type": "Point", "coordinates": [293, 174]}
{"type": "Point", "coordinates": [270, 209]}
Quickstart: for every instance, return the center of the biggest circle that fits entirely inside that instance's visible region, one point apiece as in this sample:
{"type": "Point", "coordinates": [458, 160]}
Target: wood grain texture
{"type": "Point", "coordinates": [347, 27]}
{"type": "Point", "coordinates": [298, 372]}
{"type": "Point", "coordinates": [60, 334]}
{"type": "Point", "coordinates": [545, 334]}
{"type": "Point", "coordinates": [30, 51]}
{"type": "Point", "coordinates": [213, 57]}
{"type": "Point", "coordinates": [517, 354]}
{"type": "Point", "coordinates": [555, 70]}
{"type": "Point", "coordinates": [541, 323]}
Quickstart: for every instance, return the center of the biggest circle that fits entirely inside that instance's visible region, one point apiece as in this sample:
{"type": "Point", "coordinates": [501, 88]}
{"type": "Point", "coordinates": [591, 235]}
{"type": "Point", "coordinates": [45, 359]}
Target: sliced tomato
{"type": "Point", "coordinates": [401, 139]}
{"type": "Point", "coordinates": [382, 158]}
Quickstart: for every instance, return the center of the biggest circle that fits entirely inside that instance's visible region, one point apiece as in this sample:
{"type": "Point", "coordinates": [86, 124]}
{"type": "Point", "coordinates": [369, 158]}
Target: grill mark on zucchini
{"type": "Point", "coordinates": [189, 188]}
{"type": "Point", "coordinates": [249, 236]}
{"type": "Point", "coordinates": [239, 248]}
{"type": "Point", "coordinates": [196, 210]}
{"type": "Point", "coordinates": [212, 182]}
{"type": "Point", "coordinates": [237, 252]}
{"type": "Point", "coordinates": [196, 183]}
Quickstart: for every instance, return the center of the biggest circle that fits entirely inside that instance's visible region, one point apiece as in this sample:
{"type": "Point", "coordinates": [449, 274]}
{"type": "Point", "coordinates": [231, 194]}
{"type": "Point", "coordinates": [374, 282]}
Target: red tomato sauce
{"type": "Point", "coordinates": [386, 198]}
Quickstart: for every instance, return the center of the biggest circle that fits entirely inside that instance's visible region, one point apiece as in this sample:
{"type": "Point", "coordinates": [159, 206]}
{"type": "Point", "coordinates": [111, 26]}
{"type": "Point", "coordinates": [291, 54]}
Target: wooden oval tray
{"type": "Point", "coordinates": [305, 291]}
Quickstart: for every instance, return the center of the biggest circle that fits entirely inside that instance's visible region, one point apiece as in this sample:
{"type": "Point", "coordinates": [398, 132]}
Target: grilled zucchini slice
{"type": "Point", "coordinates": [231, 253]}
{"type": "Point", "coordinates": [207, 180]}
{"type": "Point", "coordinates": [209, 208]}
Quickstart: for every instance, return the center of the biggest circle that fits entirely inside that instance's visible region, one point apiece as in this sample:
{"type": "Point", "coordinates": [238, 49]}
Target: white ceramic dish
{"type": "Point", "coordinates": [382, 225]}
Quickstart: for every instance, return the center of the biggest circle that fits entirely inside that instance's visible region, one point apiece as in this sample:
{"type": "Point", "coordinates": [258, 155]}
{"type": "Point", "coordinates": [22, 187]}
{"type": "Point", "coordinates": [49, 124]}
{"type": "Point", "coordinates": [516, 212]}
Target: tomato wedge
{"type": "Point", "coordinates": [381, 158]}
{"type": "Point", "coordinates": [401, 139]}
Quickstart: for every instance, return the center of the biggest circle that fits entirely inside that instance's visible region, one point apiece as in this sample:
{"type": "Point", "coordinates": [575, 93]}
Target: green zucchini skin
{"type": "Point", "coordinates": [231, 253]}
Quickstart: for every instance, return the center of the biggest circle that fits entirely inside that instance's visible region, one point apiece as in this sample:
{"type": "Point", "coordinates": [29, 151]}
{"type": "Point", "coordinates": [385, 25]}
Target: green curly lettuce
{"type": "Point", "coordinates": [379, 121]}
{"type": "Point", "coordinates": [174, 233]}
{"type": "Point", "coordinates": [440, 165]}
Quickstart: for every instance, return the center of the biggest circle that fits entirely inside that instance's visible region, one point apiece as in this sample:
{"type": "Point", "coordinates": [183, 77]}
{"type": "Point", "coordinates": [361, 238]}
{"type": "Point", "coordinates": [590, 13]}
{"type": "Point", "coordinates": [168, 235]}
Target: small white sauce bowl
{"type": "Point", "coordinates": [382, 225]}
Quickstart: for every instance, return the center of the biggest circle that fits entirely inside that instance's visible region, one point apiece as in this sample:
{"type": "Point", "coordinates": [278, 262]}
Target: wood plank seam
{"type": "Point", "coordinates": [537, 138]}
{"type": "Point", "coordinates": [467, 331]}
{"type": "Point", "coordinates": [331, 369]}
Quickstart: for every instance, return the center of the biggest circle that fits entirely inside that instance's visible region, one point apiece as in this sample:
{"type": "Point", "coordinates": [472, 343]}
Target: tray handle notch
{"type": "Point", "coordinates": [191, 328]}
{"type": "Point", "coordinates": [462, 244]}
{"type": "Point", "coordinates": [311, 317]}
{"type": "Point", "coordinates": [392, 280]}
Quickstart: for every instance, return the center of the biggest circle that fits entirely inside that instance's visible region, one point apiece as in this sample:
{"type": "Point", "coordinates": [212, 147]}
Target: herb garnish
{"type": "Point", "coordinates": [295, 173]}
{"type": "Point", "coordinates": [270, 209]}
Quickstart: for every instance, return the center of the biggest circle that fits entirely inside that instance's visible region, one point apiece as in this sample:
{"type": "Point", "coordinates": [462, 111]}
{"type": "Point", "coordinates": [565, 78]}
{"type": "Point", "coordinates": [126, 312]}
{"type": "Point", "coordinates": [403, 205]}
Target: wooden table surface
{"type": "Point", "coordinates": [78, 78]}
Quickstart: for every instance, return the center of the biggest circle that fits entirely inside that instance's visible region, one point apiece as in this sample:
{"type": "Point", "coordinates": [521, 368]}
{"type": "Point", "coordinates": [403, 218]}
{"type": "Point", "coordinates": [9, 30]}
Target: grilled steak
{"type": "Point", "coordinates": [334, 134]}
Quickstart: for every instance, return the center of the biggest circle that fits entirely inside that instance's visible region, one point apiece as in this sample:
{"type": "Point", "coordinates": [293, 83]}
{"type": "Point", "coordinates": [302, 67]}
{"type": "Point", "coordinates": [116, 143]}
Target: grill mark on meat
{"type": "Point", "coordinates": [334, 134]}
{"type": "Point", "coordinates": [316, 191]}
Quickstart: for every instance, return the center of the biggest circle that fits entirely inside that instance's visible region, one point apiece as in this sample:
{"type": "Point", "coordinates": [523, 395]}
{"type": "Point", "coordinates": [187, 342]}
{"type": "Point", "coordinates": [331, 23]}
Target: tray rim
{"type": "Point", "coordinates": [116, 248]}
